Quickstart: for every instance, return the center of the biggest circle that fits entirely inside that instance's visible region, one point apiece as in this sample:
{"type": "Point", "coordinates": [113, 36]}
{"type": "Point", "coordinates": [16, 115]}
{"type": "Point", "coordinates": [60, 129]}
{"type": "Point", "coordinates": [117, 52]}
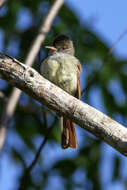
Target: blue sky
{"type": "Point", "coordinates": [109, 19]}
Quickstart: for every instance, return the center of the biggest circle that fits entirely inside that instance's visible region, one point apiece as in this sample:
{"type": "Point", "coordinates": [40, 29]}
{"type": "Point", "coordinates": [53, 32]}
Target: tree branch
{"type": "Point", "coordinates": [44, 29]}
{"type": "Point", "coordinates": [87, 117]}
{"type": "Point", "coordinates": [117, 41]}
{"type": "Point", "coordinates": [14, 96]}
{"type": "Point", "coordinates": [2, 2]}
{"type": "Point", "coordinates": [33, 163]}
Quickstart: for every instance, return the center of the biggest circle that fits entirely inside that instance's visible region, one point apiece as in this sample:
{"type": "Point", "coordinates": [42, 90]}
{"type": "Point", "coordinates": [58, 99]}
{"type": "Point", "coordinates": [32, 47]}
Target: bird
{"type": "Point", "coordinates": [62, 68]}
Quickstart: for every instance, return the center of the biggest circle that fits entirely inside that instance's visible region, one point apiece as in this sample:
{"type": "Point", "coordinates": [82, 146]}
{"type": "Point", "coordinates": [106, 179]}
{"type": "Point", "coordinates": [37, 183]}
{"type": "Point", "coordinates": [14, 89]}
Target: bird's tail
{"type": "Point", "coordinates": [68, 134]}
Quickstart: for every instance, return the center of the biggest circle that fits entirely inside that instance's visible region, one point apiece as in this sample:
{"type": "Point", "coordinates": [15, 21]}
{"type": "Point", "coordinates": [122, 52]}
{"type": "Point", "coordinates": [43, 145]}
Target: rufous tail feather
{"type": "Point", "coordinates": [68, 134]}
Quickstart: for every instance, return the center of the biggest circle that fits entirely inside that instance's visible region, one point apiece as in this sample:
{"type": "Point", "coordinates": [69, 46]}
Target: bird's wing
{"type": "Point", "coordinates": [79, 69]}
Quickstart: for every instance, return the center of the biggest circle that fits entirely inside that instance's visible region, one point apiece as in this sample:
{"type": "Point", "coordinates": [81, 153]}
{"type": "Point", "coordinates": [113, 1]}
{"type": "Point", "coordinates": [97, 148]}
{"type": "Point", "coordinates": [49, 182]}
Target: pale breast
{"type": "Point", "coordinates": [61, 69]}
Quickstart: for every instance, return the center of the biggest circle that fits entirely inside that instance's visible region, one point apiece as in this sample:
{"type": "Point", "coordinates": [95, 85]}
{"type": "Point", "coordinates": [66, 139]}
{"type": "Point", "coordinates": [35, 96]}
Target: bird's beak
{"type": "Point", "coordinates": [51, 48]}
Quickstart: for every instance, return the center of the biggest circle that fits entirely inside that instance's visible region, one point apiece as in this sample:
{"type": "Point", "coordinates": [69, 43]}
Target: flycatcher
{"type": "Point", "coordinates": [63, 69]}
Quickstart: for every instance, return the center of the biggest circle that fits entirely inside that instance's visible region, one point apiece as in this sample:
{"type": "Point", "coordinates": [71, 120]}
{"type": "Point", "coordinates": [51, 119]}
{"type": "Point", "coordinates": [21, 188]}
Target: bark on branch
{"type": "Point", "coordinates": [11, 104]}
{"type": "Point", "coordinates": [87, 117]}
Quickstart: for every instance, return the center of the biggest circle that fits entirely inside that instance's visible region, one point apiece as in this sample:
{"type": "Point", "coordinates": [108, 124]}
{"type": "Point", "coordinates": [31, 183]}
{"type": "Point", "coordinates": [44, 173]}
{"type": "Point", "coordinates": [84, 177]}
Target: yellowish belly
{"type": "Point", "coordinates": [62, 72]}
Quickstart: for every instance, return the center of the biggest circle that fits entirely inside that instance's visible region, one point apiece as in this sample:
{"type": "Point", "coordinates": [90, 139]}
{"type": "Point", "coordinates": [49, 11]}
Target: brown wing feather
{"type": "Point", "coordinates": [79, 86]}
{"type": "Point", "coordinates": [68, 133]}
{"type": "Point", "coordinates": [79, 69]}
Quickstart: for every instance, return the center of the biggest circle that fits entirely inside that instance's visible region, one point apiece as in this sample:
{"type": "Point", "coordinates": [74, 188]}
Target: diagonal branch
{"type": "Point", "coordinates": [118, 40]}
{"type": "Point", "coordinates": [33, 163]}
{"type": "Point", "coordinates": [29, 169]}
{"type": "Point", "coordinates": [10, 106]}
{"type": "Point", "coordinates": [87, 117]}
{"type": "Point", "coordinates": [44, 29]}
{"type": "Point", "coordinates": [2, 2]}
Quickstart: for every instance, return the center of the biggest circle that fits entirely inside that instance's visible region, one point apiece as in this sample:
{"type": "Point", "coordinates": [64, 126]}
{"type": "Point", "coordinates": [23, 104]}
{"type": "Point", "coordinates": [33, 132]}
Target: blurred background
{"type": "Point", "coordinates": [95, 26]}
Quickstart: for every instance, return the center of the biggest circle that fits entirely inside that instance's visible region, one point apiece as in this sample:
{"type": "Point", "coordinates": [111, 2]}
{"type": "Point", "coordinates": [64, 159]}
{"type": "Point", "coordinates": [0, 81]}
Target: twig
{"type": "Point", "coordinates": [29, 169]}
{"type": "Point", "coordinates": [44, 29]}
{"type": "Point", "coordinates": [45, 118]}
{"type": "Point", "coordinates": [14, 97]}
{"type": "Point", "coordinates": [94, 75]}
{"type": "Point", "coordinates": [6, 116]}
{"type": "Point", "coordinates": [87, 117]}
{"type": "Point", "coordinates": [118, 40]}
{"type": "Point", "coordinates": [2, 2]}
{"type": "Point", "coordinates": [2, 96]}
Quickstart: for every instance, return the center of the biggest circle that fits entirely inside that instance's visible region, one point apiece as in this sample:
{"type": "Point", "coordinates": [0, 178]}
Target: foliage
{"type": "Point", "coordinates": [103, 79]}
